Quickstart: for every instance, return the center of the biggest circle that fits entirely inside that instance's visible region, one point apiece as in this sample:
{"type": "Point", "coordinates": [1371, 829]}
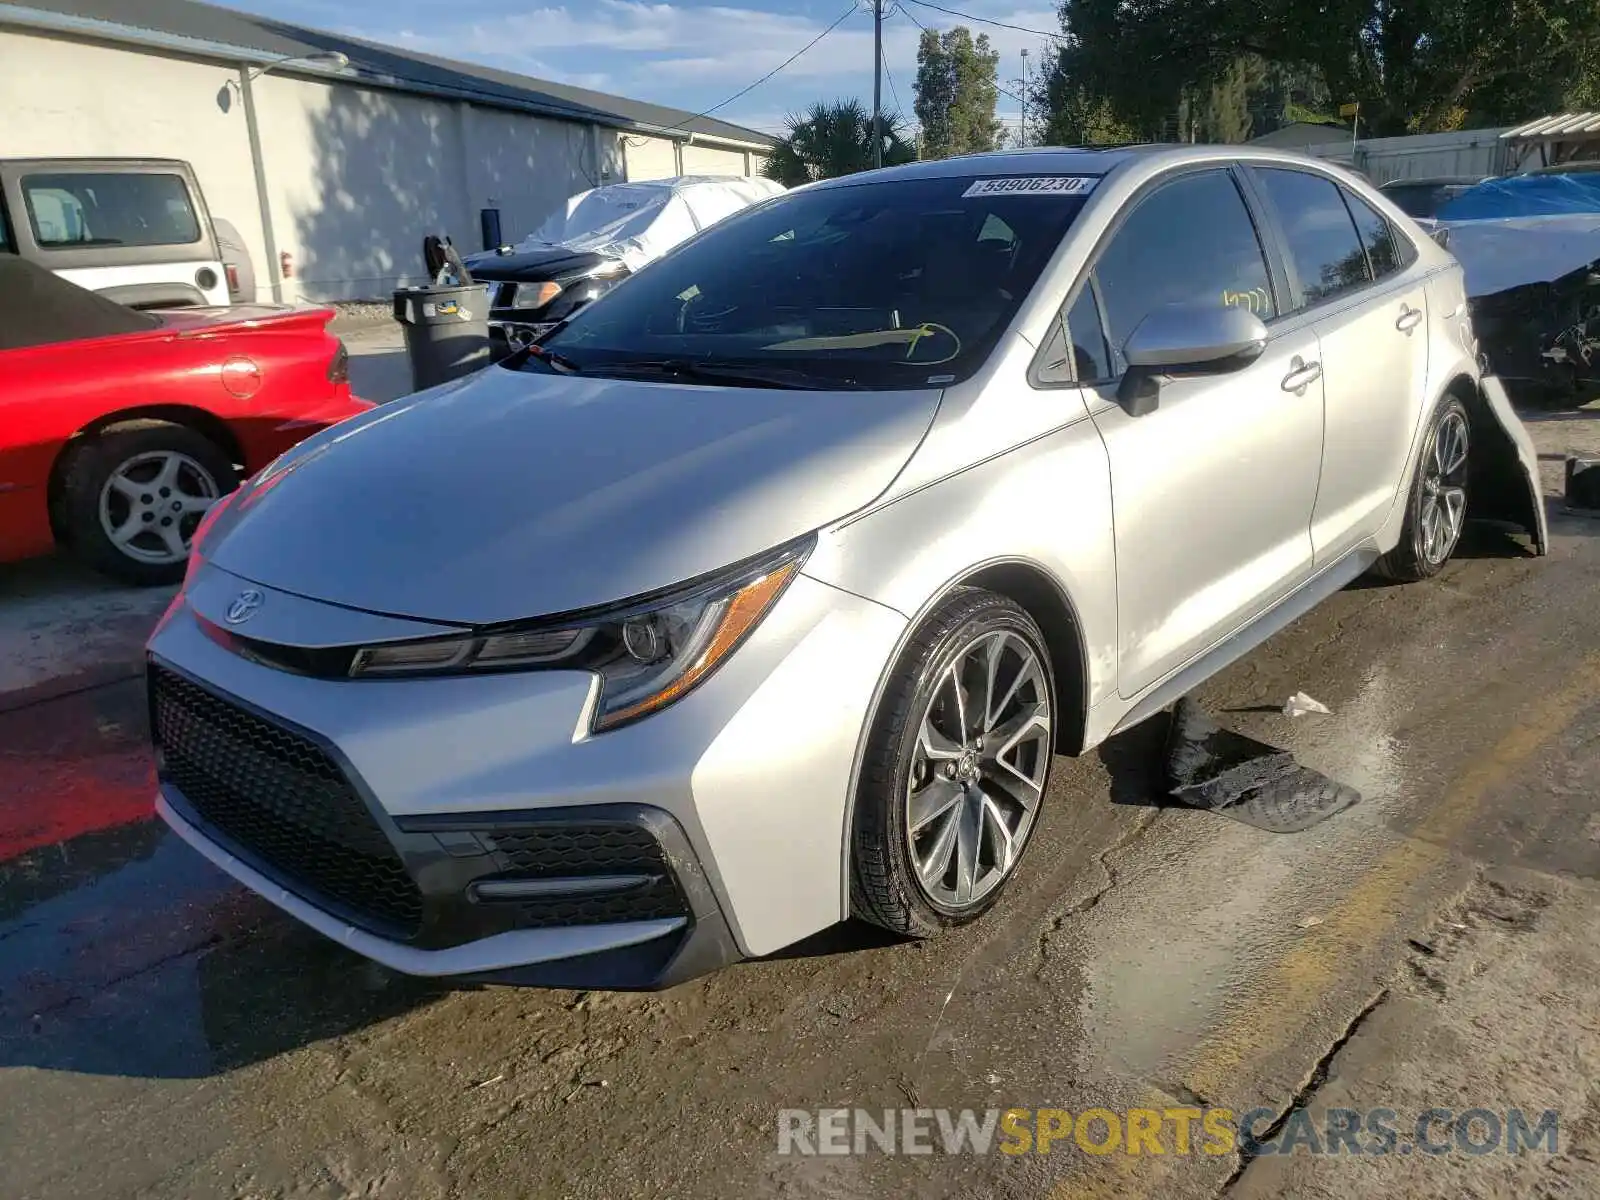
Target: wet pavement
{"type": "Point", "coordinates": [164, 1034]}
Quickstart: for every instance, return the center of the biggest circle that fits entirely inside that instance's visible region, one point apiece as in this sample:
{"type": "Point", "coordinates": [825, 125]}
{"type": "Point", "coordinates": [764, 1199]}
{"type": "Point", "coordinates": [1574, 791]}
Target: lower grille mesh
{"type": "Point", "coordinates": [284, 800]}
{"type": "Point", "coordinates": [568, 851]}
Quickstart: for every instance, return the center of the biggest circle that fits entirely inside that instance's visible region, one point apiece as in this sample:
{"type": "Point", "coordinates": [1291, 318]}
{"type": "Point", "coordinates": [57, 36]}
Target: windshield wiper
{"type": "Point", "coordinates": [559, 363]}
{"type": "Point", "coordinates": [765, 377]}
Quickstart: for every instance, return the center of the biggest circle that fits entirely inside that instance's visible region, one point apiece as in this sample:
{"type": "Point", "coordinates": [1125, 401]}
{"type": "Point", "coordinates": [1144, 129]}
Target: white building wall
{"type": "Point", "coordinates": [71, 99]}
{"type": "Point", "coordinates": [649, 158]}
{"type": "Point", "coordinates": [709, 160]}
{"type": "Point", "coordinates": [527, 167]}
{"type": "Point", "coordinates": [356, 177]}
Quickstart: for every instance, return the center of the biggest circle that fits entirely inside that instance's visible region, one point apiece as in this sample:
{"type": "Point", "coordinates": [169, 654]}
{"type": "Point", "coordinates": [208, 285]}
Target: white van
{"type": "Point", "coordinates": [133, 229]}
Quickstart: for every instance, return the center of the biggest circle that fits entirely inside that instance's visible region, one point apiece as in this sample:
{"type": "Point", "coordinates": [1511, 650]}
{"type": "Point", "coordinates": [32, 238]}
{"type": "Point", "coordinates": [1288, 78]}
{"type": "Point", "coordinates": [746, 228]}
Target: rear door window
{"type": "Point", "coordinates": [74, 209]}
{"type": "Point", "coordinates": [1324, 246]}
{"type": "Point", "coordinates": [1376, 236]}
{"type": "Point", "coordinates": [1191, 242]}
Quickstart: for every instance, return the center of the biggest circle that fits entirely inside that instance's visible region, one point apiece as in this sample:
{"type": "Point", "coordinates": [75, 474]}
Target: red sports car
{"type": "Point", "coordinates": [118, 429]}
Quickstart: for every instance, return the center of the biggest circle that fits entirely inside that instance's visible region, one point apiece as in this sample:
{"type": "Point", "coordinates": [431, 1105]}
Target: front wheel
{"type": "Point", "coordinates": [957, 765]}
{"type": "Point", "coordinates": [132, 497]}
{"type": "Point", "coordinates": [1436, 509]}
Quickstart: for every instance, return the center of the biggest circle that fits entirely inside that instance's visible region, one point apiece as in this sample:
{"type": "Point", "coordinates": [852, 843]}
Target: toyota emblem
{"type": "Point", "coordinates": [244, 606]}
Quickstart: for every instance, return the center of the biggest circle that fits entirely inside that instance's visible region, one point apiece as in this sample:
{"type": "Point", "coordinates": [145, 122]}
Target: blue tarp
{"type": "Point", "coordinates": [1526, 196]}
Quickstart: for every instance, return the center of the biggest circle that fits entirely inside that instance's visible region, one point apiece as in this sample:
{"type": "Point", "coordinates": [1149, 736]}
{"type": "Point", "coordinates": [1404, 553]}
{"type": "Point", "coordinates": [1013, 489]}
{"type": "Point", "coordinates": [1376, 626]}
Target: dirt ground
{"type": "Point", "coordinates": [164, 1034]}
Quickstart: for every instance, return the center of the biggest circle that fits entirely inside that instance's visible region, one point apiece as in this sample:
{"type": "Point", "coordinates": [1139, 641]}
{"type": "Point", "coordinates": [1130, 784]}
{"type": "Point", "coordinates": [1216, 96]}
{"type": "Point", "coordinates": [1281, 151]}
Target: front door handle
{"type": "Point", "coordinates": [1301, 375]}
{"type": "Point", "coordinates": [1409, 318]}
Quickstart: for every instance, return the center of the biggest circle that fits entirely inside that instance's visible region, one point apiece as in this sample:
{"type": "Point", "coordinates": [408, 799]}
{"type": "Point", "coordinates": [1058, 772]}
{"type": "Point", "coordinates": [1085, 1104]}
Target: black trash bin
{"type": "Point", "coordinates": [447, 331]}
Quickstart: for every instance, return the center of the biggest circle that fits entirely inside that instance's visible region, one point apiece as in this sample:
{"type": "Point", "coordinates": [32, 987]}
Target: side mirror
{"type": "Point", "coordinates": [1441, 235]}
{"type": "Point", "coordinates": [1186, 339]}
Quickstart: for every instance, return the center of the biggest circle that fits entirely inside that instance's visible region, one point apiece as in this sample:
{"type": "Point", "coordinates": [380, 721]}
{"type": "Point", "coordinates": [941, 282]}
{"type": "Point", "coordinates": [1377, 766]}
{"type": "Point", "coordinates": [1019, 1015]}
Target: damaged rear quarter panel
{"type": "Point", "coordinates": [1505, 483]}
{"type": "Point", "coordinates": [1505, 474]}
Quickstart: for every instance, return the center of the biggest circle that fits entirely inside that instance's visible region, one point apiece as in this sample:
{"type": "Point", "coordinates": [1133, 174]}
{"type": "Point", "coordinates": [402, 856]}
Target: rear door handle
{"type": "Point", "coordinates": [1409, 319]}
{"type": "Point", "coordinates": [1301, 375]}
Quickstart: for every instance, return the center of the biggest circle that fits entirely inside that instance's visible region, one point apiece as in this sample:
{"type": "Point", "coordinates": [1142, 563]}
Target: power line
{"type": "Point", "coordinates": [950, 12]}
{"type": "Point", "coordinates": [893, 91]}
{"type": "Point", "coordinates": [745, 91]}
{"type": "Point", "coordinates": [906, 12]}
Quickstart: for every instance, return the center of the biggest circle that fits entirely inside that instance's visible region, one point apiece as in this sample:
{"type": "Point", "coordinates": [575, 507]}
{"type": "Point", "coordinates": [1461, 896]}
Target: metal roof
{"type": "Point", "coordinates": [1565, 126]}
{"type": "Point", "coordinates": [208, 31]}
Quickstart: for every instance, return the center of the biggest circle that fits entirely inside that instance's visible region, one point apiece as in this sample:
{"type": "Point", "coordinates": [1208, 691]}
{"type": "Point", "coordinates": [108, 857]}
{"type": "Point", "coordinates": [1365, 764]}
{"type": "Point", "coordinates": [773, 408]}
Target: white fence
{"type": "Point", "coordinates": [1467, 152]}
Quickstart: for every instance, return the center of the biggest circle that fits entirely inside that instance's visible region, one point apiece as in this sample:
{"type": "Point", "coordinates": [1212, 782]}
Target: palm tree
{"type": "Point", "coordinates": [835, 139]}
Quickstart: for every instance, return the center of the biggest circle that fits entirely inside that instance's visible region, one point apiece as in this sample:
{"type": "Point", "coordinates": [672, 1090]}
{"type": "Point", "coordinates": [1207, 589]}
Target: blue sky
{"type": "Point", "coordinates": [688, 55]}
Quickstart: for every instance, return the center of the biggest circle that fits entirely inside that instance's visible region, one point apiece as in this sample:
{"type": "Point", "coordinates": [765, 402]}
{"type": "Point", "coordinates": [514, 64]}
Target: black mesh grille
{"type": "Point", "coordinates": [566, 851]}
{"type": "Point", "coordinates": [282, 799]}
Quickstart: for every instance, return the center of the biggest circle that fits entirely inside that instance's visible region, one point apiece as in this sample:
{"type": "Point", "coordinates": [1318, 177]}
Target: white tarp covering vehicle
{"type": "Point", "coordinates": [597, 239]}
{"type": "Point", "coordinates": [638, 222]}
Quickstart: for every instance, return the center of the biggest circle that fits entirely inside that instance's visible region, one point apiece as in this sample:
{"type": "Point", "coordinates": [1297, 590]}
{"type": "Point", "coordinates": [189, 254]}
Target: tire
{"type": "Point", "coordinates": [94, 502]}
{"type": "Point", "coordinates": [953, 643]}
{"type": "Point", "coordinates": [1422, 551]}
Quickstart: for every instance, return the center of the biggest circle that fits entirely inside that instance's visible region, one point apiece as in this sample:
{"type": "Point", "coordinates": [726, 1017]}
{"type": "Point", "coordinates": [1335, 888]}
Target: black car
{"type": "Point", "coordinates": [533, 289]}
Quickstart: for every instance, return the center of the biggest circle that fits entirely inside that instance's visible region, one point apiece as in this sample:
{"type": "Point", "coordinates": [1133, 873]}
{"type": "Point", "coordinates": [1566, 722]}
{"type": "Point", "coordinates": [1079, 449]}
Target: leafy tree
{"type": "Point", "coordinates": [956, 93]}
{"type": "Point", "coordinates": [1414, 65]}
{"type": "Point", "coordinates": [1074, 117]}
{"type": "Point", "coordinates": [835, 139]}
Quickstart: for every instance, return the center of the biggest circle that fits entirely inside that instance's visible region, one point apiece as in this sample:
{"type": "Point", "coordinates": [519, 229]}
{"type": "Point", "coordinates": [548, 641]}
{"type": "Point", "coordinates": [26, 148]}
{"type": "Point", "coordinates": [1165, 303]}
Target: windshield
{"type": "Point", "coordinates": [899, 284]}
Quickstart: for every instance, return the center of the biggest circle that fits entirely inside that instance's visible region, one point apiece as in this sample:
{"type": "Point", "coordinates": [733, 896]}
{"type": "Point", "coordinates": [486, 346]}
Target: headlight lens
{"type": "Point", "coordinates": [535, 295]}
{"type": "Point", "coordinates": [647, 655]}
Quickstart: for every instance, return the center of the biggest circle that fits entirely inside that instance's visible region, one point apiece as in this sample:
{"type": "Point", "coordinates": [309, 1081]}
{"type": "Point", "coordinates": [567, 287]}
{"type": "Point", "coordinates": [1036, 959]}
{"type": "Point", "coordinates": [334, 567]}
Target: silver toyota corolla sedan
{"type": "Point", "coordinates": [766, 592]}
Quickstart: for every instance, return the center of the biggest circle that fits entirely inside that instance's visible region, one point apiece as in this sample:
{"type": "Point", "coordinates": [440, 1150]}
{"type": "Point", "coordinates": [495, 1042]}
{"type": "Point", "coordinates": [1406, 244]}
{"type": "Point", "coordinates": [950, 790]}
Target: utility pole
{"type": "Point", "coordinates": [877, 83]}
{"type": "Point", "coordinates": [1024, 97]}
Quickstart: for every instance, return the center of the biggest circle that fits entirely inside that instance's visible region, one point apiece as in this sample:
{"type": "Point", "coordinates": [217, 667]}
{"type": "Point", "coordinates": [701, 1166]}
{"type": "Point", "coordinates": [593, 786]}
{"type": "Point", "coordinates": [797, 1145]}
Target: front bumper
{"type": "Point", "coordinates": [377, 811]}
{"type": "Point", "coordinates": [629, 955]}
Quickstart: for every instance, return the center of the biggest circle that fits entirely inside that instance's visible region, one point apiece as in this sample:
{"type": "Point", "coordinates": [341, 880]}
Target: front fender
{"type": "Point", "coordinates": [1505, 483]}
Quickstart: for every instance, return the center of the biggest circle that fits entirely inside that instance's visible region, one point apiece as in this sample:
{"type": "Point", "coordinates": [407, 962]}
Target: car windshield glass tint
{"type": "Point", "coordinates": [109, 209]}
{"type": "Point", "coordinates": [898, 284]}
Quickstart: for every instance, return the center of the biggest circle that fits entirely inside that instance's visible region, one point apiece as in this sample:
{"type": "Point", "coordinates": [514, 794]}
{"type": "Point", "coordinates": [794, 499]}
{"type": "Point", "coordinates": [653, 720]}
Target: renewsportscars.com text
{"type": "Point", "coordinates": [1181, 1130]}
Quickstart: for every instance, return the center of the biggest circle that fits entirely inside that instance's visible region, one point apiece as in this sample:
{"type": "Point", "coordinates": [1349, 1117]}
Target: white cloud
{"type": "Point", "coordinates": [694, 56]}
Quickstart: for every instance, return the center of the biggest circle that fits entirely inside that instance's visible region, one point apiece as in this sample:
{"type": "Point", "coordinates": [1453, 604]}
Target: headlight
{"type": "Point", "coordinates": [647, 654]}
{"type": "Point", "coordinates": [535, 295]}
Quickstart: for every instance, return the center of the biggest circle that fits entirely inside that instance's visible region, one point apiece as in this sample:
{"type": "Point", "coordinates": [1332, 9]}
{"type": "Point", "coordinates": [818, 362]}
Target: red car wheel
{"type": "Point", "coordinates": [133, 495]}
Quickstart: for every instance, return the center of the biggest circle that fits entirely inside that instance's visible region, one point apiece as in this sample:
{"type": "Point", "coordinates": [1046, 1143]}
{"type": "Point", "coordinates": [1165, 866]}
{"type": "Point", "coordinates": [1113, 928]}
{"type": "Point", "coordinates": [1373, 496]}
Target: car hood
{"type": "Point", "coordinates": [515, 495]}
{"type": "Point", "coordinates": [533, 263]}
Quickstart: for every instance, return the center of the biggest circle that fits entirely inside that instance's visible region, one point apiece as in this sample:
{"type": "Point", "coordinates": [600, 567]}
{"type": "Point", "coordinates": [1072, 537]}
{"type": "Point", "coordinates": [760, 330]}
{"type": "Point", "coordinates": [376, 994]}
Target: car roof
{"type": "Point", "coordinates": [1054, 159]}
{"type": "Point", "coordinates": [1432, 181]}
{"type": "Point", "coordinates": [1078, 160]}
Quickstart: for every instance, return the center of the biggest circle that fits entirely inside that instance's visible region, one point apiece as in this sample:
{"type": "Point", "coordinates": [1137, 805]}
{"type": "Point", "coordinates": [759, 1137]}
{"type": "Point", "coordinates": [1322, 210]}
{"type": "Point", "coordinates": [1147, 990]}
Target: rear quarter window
{"type": "Point", "coordinates": [68, 210]}
{"type": "Point", "coordinates": [1376, 236]}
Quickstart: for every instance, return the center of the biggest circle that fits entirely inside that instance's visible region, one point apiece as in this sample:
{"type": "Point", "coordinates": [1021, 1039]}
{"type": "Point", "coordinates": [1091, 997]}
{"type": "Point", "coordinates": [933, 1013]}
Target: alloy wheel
{"type": "Point", "coordinates": [978, 769]}
{"type": "Point", "coordinates": [1444, 489]}
{"type": "Point", "coordinates": [151, 504]}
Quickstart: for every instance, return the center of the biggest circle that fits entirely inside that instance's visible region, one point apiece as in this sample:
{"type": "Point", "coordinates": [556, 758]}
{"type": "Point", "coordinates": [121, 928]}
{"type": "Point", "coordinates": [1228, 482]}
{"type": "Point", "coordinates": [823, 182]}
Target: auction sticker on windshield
{"type": "Point", "coordinates": [1033, 185]}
